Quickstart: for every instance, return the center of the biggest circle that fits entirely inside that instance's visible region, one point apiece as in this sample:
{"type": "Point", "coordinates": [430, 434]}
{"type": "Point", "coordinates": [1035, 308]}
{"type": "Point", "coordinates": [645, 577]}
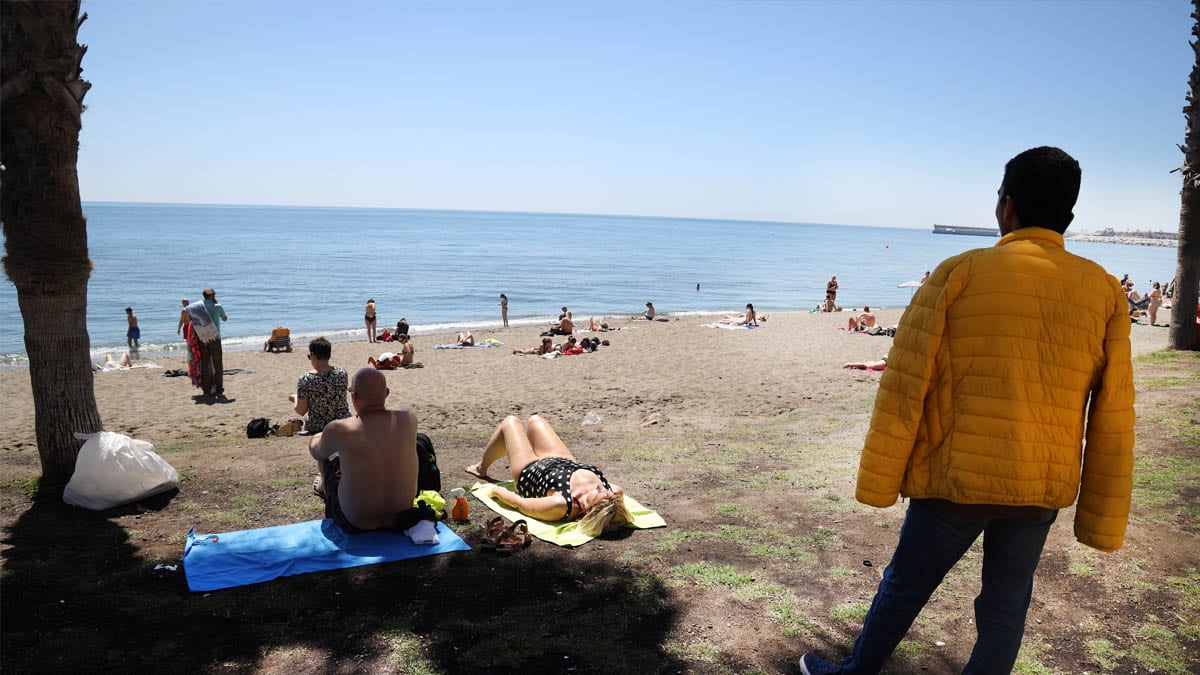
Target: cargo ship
{"type": "Point", "coordinates": [956, 229]}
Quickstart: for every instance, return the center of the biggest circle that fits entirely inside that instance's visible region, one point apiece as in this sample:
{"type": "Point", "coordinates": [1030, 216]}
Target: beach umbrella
{"type": "Point", "coordinates": [910, 284]}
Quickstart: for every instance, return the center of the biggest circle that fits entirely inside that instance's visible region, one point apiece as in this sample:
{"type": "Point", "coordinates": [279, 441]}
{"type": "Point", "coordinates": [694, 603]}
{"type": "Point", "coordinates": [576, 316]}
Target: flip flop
{"type": "Point", "coordinates": [318, 487]}
{"type": "Point", "coordinates": [495, 531]}
{"type": "Point", "coordinates": [514, 538]}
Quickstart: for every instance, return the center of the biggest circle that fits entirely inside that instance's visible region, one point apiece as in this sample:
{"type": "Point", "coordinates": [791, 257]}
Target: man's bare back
{"type": "Point", "coordinates": [377, 451]}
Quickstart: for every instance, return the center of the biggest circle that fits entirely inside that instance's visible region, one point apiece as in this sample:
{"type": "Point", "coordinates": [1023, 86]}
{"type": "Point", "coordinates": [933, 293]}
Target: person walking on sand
{"type": "Point", "coordinates": [504, 309]}
{"type": "Point", "coordinates": [1001, 411]}
{"type": "Point", "coordinates": [368, 463]}
{"type": "Point", "coordinates": [1156, 301]}
{"type": "Point", "coordinates": [321, 392]}
{"type": "Point", "coordinates": [369, 319]}
{"type": "Point", "coordinates": [134, 333]}
{"type": "Point", "coordinates": [212, 362]}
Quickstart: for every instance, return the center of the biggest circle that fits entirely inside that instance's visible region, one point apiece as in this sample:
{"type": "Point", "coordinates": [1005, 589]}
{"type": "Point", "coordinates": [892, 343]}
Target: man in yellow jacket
{"type": "Point", "coordinates": [1008, 392]}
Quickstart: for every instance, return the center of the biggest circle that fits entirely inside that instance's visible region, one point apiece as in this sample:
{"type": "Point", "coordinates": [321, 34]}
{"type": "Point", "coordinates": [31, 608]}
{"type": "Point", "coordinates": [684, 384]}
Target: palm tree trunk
{"type": "Point", "coordinates": [1187, 272]}
{"type": "Point", "coordinates": [46, 254]}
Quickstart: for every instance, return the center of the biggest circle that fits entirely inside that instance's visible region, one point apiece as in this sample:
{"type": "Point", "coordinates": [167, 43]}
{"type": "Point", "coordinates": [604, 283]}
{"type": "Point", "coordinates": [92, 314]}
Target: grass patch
{"type": "Point", "coordinates": [785, 611]}
{"type": "Point", "coordinates": [1158, 481]}
{"type": "Point", "coordinates": [1159, 650]}
{"type": "Point", "coordinates": [670, 541]}
{"type": "Point", "coordinates": [408, 655]}
{"type": "Point", "coordinates": [1103, 653]}
{"type": "Point", "coordinates": [692, 652]}
{"type": "Point", "coordinates": [708, 575]}
{"type": "Point", "coordinates": [27, 486]}
{"type": "Point", "coordinates": [736, 511]}
{"type": "Point", "coordinates": [1029, 658]}
{"type": "Point", "coordinates": [851, 611]}
{"type": "Point", "coordinates": [910, 648]}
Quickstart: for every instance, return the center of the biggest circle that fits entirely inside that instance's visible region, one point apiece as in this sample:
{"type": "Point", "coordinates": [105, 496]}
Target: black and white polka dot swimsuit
{"type": "Point", "coordinates": [553, 473]}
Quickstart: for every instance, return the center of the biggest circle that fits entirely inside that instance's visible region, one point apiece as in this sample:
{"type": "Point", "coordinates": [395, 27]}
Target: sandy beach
{"type": "Point", "coordinates": [745, 441]}
{"type": "Point", "coordinates": [676, 375]}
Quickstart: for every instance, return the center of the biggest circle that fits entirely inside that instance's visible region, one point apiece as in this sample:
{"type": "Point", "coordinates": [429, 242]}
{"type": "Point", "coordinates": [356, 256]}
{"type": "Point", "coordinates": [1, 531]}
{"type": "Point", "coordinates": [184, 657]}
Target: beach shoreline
{"type": "Point", "coordinates": [675, 373]}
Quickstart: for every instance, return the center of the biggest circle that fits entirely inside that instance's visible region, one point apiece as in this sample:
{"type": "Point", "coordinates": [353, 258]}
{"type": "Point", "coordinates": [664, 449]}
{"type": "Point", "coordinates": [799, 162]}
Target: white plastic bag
{"type": "Point", "coordinates": [114, 469]}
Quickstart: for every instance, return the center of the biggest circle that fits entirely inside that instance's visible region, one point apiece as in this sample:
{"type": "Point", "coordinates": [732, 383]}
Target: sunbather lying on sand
{"type": "Point", "coordinates": [546, 347]}
{"type": "Point", "coordinates": [868, 365]}
{"type": "Point", "coordinates": [551, 485]}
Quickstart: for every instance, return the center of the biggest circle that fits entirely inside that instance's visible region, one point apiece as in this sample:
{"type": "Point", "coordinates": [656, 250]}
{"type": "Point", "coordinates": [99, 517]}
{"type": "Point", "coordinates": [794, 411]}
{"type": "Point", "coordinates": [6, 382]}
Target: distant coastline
{"type": "Point", "coordinates": [1131, 238]}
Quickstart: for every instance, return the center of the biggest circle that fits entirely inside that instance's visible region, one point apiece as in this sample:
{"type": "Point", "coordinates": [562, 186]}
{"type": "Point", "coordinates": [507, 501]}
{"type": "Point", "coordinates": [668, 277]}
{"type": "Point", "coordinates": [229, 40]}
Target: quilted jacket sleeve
{"type": "Point", "coordinates": [900, 402]}
{"type": "Point", "coordinates": [1107, 482]}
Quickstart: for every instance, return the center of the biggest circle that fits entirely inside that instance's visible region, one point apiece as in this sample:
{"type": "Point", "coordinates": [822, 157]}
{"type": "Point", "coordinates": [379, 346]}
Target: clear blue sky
{"type": "Point", "coordinates": [895, 114]}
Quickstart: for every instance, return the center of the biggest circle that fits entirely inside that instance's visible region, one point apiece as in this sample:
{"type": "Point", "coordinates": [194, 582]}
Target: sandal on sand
{"type": "Point", "coordinates": [495, 531]}
{"type": "Point", "coordinates": [514, 538]}
{"type": "Point", "coordinates": [319, 487]}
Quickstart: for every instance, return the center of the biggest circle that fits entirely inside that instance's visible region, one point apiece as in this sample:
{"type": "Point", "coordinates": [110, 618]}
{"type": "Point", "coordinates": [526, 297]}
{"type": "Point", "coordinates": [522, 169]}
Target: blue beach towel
{"type": "Point", "coordinates": [215, 561]}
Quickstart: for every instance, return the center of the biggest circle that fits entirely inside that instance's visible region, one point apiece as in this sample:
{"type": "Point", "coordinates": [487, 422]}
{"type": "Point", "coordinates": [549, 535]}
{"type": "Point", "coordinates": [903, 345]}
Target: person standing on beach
{"type": "Point", "coordinates": [831, 291]}
{"type": "Point", "coordinates": [134, 333]}
{"type": "Point", "coordinates": [212, 362]}
{"type": "Point", "coordinates": [1000, 409]}
{"type": "Point", "coordinates": [369, 317]}
{"type": "Point", "coordinates": [184, 319]}
{"type": "Point", "coordinates": [321, 392]}
{"type": "Point", "coordinates": [504, 309]}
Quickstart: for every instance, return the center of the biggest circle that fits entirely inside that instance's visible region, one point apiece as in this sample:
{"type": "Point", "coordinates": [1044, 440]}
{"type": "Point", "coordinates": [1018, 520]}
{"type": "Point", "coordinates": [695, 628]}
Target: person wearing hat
{"type": "Point", "coordinates": [212, 364]}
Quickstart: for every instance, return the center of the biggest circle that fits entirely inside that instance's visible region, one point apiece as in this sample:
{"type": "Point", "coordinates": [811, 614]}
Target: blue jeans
{"type": "Point", "coordinates": [932, 540]}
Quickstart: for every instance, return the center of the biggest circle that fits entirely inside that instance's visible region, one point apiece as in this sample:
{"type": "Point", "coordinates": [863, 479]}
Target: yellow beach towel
{"type": "Point", "coordinates": [564, 534]}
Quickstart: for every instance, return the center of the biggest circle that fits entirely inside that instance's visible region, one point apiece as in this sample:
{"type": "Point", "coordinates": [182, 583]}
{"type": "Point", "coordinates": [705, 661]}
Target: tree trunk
{"type": "Point", "coordinates": [1187, 272]}
{"type": "Point", "coordinates": [46, 253]}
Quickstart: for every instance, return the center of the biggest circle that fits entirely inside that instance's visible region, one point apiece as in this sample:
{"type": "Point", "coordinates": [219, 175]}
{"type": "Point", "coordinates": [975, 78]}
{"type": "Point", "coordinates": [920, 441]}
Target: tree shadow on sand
{"type": "Point", "coordinates": [77, 597]}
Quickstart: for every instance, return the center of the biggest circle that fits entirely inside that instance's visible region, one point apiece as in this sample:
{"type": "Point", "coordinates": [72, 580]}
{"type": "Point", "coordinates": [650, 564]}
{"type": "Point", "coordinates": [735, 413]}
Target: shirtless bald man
{"type": "Point", "coordinates": [368, 463]}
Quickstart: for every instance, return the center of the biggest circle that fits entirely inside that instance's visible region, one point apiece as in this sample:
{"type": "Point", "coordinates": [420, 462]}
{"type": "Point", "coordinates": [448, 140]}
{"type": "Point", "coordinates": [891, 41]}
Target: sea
{"type": "Point", "coordinates": [313, 269]}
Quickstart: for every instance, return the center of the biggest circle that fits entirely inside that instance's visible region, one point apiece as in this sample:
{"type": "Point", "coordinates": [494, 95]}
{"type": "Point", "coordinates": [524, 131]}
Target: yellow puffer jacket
{"type": "Point", "coordinates": [999, 361]}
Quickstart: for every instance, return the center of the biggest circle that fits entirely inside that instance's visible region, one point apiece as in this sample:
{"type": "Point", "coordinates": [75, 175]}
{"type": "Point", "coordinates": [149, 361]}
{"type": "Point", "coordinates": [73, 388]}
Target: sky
{"type": "Point", "coordinates": [893, 114]}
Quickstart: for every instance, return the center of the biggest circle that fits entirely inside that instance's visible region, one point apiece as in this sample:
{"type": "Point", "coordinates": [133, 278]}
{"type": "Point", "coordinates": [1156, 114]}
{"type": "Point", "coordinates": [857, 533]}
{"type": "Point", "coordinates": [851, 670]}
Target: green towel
{"type": "Point", "coordinates": [564, 534]}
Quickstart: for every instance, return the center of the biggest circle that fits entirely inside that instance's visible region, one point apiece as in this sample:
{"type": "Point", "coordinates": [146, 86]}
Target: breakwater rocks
{"type": "Point", "coordinates": [1171, 242]}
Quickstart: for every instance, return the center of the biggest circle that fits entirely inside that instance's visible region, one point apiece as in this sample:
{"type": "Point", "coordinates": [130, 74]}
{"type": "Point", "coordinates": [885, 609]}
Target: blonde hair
{"type": "Point", "coordinates": [605, 515]}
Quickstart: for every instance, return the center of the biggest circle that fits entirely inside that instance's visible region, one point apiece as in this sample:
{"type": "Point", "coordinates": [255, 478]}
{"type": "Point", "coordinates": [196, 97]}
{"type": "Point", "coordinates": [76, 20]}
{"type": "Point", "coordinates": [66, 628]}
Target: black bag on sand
{"type": "Point", "coordinates": [258, 427]}
{"type": "Point", "coordinates": [429, 477]}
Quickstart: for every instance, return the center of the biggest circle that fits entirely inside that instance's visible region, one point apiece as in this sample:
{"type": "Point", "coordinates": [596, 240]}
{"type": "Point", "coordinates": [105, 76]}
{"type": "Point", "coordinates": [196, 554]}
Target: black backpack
{"type": "Point", "coordinates": [429, 477]}
{"type": "Point", "coordinates": [258, 427]}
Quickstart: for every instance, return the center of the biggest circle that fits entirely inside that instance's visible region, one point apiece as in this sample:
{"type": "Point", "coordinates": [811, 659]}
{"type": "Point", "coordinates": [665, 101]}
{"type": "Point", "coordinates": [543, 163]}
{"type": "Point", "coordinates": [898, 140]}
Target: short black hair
{"type": "Point", "coordinates": [320, 348]}
{"type": "Point", "coordinates": [129, 309]}
{"type": "Point", "coordinates": [1044, 185]}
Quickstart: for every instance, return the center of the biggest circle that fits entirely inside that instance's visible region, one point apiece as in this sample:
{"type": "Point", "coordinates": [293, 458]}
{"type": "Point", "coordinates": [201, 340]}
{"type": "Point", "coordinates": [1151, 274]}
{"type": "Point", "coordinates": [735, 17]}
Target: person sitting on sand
{"type": "Point", "coordinates": [546, 347]}
{"type": "Point", "coordinates": [563, 327]}
{"type": "Point", "coordinates": [368, 463]}
{"type": "Point", "coordinates": [828, 305]}
{"type": "Point", "coordinates": [598, 326]}
{"type": "Point", "coordinates": [863, 322]}
{"type": "Point", "coordinates": [551, 484]}
{"type": "Point", "coordinates": [465, 340]}
{"type": "Point", "coordinates": [649, 313]}
{"type": "Point", "coordinates": [321, 392]}
{"type": "Point", "coordinates": [868, 365]}
{"type": "Point", "coordinates": [749, 318]}
{"type": "Point", "coordinates": [571, 347]}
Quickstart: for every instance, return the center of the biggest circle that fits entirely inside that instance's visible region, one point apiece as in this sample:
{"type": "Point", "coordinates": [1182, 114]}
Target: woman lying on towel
{"type": "Point", "coordinates": [551, 485]}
